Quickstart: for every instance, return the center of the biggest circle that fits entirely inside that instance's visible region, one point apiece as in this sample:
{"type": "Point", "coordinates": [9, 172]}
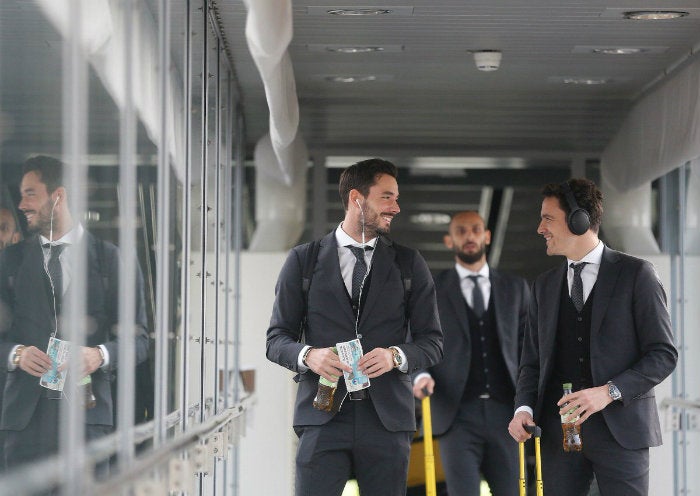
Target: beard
{"type": "Point", "coordinates": [471, 258]}
{"type": "Point", "coordinates": [42, 220]}
{"type": "Point", "coordinates": [372, 225]}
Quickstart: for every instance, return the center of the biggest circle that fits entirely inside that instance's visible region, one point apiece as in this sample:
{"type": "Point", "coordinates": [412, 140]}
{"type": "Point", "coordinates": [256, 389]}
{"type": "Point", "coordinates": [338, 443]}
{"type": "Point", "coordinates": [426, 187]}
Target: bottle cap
{"type": "Point", "coordinates": [567, 385]}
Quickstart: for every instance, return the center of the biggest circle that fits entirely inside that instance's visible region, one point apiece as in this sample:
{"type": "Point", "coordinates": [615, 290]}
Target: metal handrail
{"type": "Point", "coordinates": [50, 472]}
{"type": "Point", "coordinates": [679, 402]}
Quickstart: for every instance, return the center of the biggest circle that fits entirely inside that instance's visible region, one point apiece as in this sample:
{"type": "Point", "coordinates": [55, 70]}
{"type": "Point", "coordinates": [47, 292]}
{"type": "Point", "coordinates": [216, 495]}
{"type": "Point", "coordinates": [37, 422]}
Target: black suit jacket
{"type": "Point", "coordinates": [25, 293]}
{"type": "Point", "coordinates": [331, 320]}
{"type": "Point", "coordinates": [510, 297]}
{"type": "Point", "coordinates": [631, 344]}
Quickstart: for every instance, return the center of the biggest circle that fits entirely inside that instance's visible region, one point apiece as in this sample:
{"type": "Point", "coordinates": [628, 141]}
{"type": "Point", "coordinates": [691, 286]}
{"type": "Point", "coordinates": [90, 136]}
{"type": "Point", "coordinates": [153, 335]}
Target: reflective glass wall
{"type": "Point", "coordinates": [119, 198]}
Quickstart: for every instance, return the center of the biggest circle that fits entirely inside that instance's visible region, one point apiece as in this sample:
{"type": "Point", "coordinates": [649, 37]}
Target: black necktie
{"type": "Point", "coordinates": [55, 271]}
{"type": "Point", "coordinates": [358, 272]}
{"type": "Point", "coordinates": [477, 297]}
{"type": "Point", "coordinates": [577, 286]}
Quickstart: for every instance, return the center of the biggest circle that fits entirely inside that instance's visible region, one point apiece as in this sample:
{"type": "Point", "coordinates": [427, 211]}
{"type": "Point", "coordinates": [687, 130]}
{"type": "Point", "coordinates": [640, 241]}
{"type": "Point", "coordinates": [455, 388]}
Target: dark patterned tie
{"type": "Point", "coordinates": [477, 297]}
{"type": "Point", "coordinates": [56, 273]}
{"type": "Point", "coordinates": [577, 286]}
{"type": "Point", "coordinates": [358, 272]}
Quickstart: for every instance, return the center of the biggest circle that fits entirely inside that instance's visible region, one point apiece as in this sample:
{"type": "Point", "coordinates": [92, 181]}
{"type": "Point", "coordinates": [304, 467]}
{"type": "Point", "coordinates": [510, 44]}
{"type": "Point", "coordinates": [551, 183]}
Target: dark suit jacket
{"type": "Point", "coordinates": [28, 298]}
{"type": "Point", "coordinates": [331, 320]}
{"type": "Point", "coordinates": [631, 344]}
{"type": "Point", "coordinates": [510, 297]}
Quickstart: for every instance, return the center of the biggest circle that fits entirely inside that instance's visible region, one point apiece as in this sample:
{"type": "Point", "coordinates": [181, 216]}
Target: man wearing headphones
{"type": "Point", "coordinates": [599, 321]}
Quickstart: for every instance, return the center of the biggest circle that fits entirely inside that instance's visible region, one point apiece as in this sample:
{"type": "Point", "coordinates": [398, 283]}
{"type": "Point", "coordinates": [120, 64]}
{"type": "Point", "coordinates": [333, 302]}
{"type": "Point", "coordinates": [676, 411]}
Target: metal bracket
{"type": "Point", "coordinates": [200, 459]}
{"type": "Point", "coordinates": [215, 442]}
{"type": "Point", "coordinates": [149, 487]}
{"type": "Point", "coordinates": [180, 476]}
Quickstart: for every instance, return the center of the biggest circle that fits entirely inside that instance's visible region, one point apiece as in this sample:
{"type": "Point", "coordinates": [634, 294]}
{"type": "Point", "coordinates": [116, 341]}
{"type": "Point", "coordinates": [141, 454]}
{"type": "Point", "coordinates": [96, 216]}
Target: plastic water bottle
{"type": "Point", "coordinates": [571, 434]}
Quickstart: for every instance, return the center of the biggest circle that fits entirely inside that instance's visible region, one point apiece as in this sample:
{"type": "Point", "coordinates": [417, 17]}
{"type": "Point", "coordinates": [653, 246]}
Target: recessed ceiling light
{"type": "Point", "coordinates": [350, 79]}
{"type": "Point", "coordinates": [655, 15]}
{"type": "Point", "coordinates": [585, 81]}
{"type": "Point", "coordinates": [620, 50]}
{"type": "Point", "coordinates": [355, 49]}
{"type": "Point", "coordinates": [358, 12]}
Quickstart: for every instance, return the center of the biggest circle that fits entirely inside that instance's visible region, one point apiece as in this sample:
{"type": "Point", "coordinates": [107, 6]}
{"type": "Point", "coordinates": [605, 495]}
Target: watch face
{"type": "Point", "coordinates": [614, 392]}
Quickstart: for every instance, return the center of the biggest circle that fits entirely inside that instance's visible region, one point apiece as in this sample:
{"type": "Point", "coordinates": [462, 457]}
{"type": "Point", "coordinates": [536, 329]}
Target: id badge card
{"type": "Point", "coordinates": [350, 353]}
{"type": "Point", "coordinates": [55, 378]}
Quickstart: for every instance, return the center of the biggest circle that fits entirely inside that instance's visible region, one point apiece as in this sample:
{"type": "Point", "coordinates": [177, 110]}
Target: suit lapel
{"type": "Point", "coordinates": [604, 286]}
{"type": "Point", "coordinates": [382, 261]}
{"type": "Point", "coordinates": [548, 308]}
{"type": "Point", "coordinates": [456, 299]}
{"type": "Point", "coordinates": [330, 266]}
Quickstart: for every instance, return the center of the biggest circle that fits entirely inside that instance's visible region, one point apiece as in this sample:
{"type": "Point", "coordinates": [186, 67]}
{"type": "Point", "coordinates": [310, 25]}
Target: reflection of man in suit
{"type": "Point", "coordinates": [30, 412]}
{"type": "Point", "coordinates": [370, 436]}
{"type": "Point", "coordinates": [474, 385]}
{"type": "Point", "coordinates": [609, 333]}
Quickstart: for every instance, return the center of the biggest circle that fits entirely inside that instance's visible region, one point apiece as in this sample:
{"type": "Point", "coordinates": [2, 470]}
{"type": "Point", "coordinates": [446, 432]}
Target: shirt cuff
{"type": "Point", "coordinates": [105, 354]}
{"type": "Point", "coordinates": [300, 360]}
{"type": "Point", "coordinates": [420, 376]}
{"type": "Point", "coordinates": [525, 408]}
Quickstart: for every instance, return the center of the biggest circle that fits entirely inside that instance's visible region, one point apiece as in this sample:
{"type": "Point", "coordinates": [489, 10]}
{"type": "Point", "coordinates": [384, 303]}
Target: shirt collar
{"type": "Point", "coordinates": [592, 257]}
{"type": "Point", "coordinates": [464, 272]}
{"type": "Point", "coordinates": [70, 238]}
{"type": "Point", "coordinates": [344, 239]}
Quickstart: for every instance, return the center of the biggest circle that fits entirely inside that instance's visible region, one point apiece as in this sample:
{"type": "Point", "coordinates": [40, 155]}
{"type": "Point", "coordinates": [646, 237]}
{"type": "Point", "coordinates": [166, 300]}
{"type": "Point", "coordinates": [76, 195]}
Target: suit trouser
{"type": "Point", "coordinates": [40, 437]}
{"type": "Point", "coordinates": [353, 443]}
{"type": "Point", "coordinates": [478, 442]}
{"type": "Point", "coordinates": [618, 471]}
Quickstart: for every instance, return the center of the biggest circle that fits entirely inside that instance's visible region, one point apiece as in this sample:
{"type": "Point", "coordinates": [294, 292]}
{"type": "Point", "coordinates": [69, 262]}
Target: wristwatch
{"type": "Point", "coordinates": [613, 391]}
{"type": "Point", "coordinates": [17, 355]}
{"type": "Point", "coordinates": [396, 355]}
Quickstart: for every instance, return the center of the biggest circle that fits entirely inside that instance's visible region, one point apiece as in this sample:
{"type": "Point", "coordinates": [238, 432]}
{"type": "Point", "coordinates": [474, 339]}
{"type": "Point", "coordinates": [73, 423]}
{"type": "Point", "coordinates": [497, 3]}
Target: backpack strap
{"type": "Point", "coordinates": [307, 273]}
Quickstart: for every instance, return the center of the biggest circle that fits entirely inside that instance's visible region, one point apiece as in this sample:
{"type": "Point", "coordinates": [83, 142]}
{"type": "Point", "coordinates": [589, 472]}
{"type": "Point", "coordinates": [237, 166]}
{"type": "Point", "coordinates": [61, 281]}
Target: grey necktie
{"type": "Point", "coordinates": [477, 297]}
{"type": "Point", "coordinates": [577, 286]}
{"type": "Point", "coordinates": [358, 272]}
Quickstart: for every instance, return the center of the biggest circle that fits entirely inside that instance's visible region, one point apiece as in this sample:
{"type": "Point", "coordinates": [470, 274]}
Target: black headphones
{"type": "Point", "coordinates": [578, 219]}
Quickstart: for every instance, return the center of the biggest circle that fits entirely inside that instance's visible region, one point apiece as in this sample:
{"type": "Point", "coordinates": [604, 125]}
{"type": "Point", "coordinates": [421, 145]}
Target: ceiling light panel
{"type": "Point", "coordinates": [619, 13]}
{"type": "Point", "coordinates": [353, 49]}
{"type": "Point", "coordinates": [619, 50]}
{"type": "Point", "coordinates": [359, 11]}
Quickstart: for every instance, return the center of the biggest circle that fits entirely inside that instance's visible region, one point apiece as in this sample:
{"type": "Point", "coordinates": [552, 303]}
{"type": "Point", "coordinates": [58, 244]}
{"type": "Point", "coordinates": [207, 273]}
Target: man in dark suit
{"type": "Point", "coordinates": [599, 321]}
{"type": "Point", "coordinates": [33, 289]}
{"type": "Point", "coordinates": [483, 313]}
{"type": "Point", "coordinates": [370, 436]}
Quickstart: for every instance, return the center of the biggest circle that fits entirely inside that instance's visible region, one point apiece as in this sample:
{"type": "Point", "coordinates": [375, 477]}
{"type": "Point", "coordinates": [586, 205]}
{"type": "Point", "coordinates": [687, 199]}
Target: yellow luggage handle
{"type": "Point", "coordinates": [430, 487]}
{"type": "Point", "coordinates": [536, 431]}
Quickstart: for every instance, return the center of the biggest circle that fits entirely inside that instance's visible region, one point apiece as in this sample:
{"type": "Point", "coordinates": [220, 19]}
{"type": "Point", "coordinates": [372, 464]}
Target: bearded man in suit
{"type": "Point", "coordinates": [483, 313]}
{"type": "Point", "coordinates": [368, 432]}
{"type": "Point", "coordinates": [33, 295]}
{"type": "Point", "coordinates": [599, 321]}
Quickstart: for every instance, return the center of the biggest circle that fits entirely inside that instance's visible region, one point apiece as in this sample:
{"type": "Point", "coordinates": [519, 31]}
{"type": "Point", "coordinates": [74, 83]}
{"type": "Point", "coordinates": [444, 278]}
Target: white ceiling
{"type": "Point", "coordinates": [429, 98]}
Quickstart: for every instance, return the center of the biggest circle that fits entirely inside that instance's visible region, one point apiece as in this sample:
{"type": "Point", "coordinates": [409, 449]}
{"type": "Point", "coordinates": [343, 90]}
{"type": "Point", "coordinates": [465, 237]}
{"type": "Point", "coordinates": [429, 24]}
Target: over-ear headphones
{"type": "Point", "coordinates": [578, 219]}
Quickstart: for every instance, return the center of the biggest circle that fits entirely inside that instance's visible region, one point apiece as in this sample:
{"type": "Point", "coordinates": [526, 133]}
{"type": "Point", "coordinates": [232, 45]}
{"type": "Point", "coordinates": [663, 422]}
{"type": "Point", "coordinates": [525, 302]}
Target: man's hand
{"type": "Point", "coordinates": [425, 382]}
{"type": "Point", "coordinates": [326, 363]}
{"type": "Point", "coordinates": [516, 428]}
{"type": "Point", "coordinates": [34, 361]}
{"type": "Point", "coordinates": [584, 403]}
{"type": "Point", "coordinates": [92, 360]}
{"type": "Point", "coordinates": [377, 362]}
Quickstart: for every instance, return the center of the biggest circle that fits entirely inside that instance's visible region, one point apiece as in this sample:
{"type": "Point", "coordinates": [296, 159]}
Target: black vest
{"type": "Point", "coordinates": [573, 344]}
{"type": "Point", "coordinates": [487, 371]}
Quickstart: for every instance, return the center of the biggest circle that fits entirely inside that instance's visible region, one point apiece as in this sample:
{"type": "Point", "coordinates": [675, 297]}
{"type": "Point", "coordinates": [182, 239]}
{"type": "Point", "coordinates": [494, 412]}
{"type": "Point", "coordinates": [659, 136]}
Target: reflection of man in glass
{"type": "Point", "coordinates": [35, 283]}
{"type": "Point", "coordinates": [9, 234]}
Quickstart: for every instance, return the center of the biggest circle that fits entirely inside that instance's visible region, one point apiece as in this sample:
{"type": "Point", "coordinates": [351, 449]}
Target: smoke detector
{"type": "Point", "coordinates": [487, 60]}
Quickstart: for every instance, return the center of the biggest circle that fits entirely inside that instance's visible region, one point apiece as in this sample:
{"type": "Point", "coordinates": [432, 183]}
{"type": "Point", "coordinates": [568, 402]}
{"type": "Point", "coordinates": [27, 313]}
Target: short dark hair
{"type": "Point", "coordinates": [362, 176]}
{"type": "Point", "coordinates": [586, 194]}
{"type": "Point", "coordinates": [49, 169]}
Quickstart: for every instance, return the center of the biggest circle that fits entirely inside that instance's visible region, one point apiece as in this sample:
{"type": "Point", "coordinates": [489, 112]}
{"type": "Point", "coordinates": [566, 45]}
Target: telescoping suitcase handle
{"type": "Point", "coordinates": [536, 432]}
{"type": "Point", "coordinates": [430, 485]}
